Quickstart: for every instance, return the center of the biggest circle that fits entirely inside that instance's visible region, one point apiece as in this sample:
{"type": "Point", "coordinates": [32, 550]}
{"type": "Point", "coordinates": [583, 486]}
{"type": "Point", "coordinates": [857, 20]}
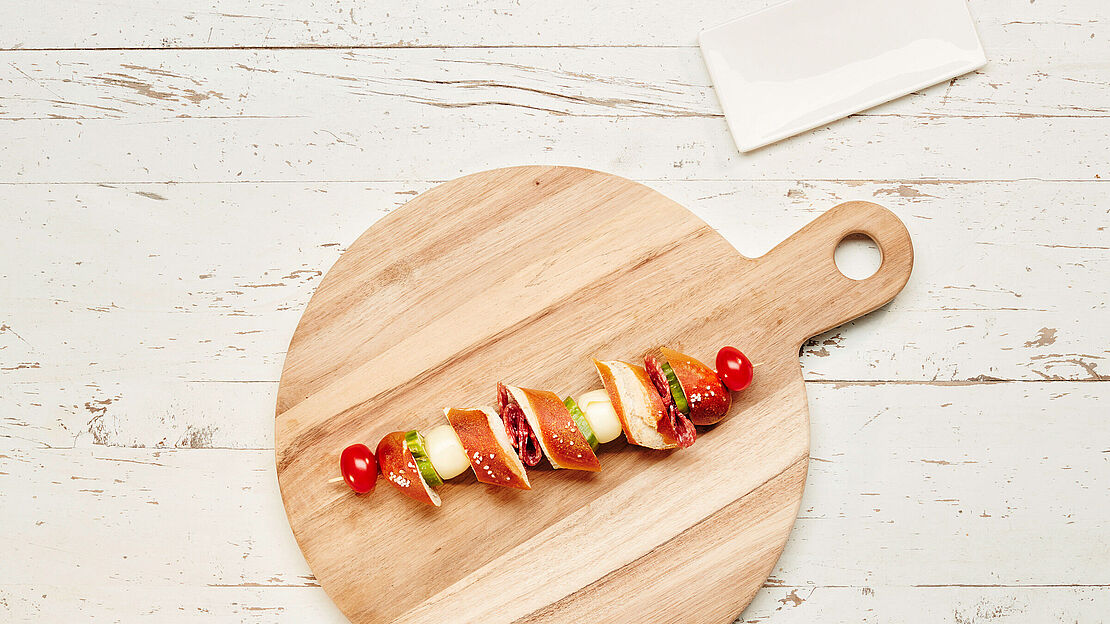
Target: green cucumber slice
{"type": "Point", "coordinates": [415, 443]}
{"type": "Point", "coordinates": [580, 420]}
{"type": "Point", "coordinates": [676, 389]}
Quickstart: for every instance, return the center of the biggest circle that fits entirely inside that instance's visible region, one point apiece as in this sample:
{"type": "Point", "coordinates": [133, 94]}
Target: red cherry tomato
{"type": "Point", "coordinates": [359, 468]}
{"type": "Point", "coordinates": [734, 368]}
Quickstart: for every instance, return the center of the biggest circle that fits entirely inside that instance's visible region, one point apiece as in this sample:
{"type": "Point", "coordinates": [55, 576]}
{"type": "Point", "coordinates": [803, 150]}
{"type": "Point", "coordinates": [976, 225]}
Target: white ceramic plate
{"type": "Point", "coordinates": [804, 63]}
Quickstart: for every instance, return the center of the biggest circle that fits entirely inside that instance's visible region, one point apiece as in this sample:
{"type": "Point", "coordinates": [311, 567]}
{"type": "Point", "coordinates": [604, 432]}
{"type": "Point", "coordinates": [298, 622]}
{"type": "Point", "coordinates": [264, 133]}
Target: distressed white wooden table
{"type": "Point", "coordinates": [175, 177]}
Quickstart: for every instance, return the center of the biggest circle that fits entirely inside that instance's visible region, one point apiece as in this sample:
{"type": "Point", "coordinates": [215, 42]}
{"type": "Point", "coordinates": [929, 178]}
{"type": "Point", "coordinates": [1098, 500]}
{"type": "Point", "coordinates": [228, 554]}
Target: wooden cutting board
{"type": "Point", "coordinates": [522, 275]}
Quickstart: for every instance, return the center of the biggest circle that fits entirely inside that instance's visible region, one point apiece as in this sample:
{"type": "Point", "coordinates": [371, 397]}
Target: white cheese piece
{"type": "Point", "coordinates": [599, 412]}
{"type": "Point", "coordinates": [445, 452]}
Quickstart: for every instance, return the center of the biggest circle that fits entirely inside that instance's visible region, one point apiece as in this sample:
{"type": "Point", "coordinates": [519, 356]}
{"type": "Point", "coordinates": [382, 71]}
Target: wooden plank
{"type": "Point", "coordinates": [235, 23]}
{"type": "Point", "coordinates": [119, 533]}
{"type": "Point", "coordinates": [170, 602]}
{"type": "Point", "coordinates": [651, 148]}
{"type": "Point", "coordinates": [984, 486]}
{"type": "Point", "coordinates": [233, 116]}
{"type": "Point", "coordinates": [93, 343]}
{"type": "Point", "coordinates": [970, 605]}
{"type": "Point", "coordinates": [590, 82]}
{"type": "Point", "coordinates": [155, 284]}
{"type": "Point", "coordinates": [913, 485]}
{"type": "Point", "coordinates": [791, 605]}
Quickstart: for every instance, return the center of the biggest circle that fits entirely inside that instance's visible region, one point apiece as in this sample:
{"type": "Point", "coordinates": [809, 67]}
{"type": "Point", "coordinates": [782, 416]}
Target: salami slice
{"type": "Point", "coordinates": [674, 425]}
{"type": "Point", "coordinates": [524, 440]}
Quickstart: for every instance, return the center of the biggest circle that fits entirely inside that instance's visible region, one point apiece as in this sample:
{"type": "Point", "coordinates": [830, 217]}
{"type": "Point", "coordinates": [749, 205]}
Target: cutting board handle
{"type": "Point", "coordinates": [822, 297]}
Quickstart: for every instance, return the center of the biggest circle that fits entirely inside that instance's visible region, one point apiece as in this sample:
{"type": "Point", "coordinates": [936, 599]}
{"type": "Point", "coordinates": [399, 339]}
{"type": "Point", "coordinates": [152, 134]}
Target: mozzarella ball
{"type": "Point", "coordinates": [599, 412]}
{"type": "Point", "coordinates": [445, 452]}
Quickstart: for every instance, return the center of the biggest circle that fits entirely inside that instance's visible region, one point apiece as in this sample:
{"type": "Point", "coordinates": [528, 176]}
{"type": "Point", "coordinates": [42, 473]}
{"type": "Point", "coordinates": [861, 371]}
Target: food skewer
{"type": "Point", "coordinates": [656, 405]}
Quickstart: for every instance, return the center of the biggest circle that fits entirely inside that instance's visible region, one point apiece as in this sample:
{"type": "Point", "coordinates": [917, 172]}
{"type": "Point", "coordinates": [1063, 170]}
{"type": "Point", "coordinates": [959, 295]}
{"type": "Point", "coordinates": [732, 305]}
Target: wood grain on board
{"type": "Point", "coordinates": [522, 275]}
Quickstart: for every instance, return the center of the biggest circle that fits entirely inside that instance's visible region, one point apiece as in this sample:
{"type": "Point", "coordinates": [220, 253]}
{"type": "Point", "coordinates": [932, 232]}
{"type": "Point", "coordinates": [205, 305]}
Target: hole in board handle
{"type": "Point", "coordinates": [857, 256]}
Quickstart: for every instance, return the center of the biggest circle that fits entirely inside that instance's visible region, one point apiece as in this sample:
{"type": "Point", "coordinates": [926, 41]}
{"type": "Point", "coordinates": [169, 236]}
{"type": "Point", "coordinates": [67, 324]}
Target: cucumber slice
{"type": "Point", "coordinates": [415, 443]}
{"type": "Point", "coordinates": [676, 389]}
{"type": "Point", "coordinates": [580, 420]}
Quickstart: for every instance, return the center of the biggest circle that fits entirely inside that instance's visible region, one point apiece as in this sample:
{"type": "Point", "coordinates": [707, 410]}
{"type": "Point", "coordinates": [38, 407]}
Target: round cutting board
{"type": "Point", "coordinates": [523, 275]}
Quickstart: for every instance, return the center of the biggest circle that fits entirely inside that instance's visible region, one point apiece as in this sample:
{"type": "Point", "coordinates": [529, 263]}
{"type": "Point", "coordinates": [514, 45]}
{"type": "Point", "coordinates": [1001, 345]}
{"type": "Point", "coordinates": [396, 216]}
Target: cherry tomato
{"type": "Point", "coordinates": [359, 468]}
{"type": "Point", "coordinates": [734, 368]}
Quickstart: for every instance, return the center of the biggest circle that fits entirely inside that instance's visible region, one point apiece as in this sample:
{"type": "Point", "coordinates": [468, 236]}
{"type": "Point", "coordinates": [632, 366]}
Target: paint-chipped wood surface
{"type": "Point", "coordinates": [167, 213]}
{"type": "Point", "coordinates": [522, 275]}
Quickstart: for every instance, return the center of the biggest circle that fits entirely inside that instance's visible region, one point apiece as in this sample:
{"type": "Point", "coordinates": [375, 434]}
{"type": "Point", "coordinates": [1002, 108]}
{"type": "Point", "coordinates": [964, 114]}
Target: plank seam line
{"type": "Point", "coordinates": [563, 113]}
{"type": "Point", "coordinates": [942, 383]}
{"type": "Point", "coordinates": [779, 585]}
{"type": "Point", "coordinates": [847, 382]}
{"type": "Point", "coordinates": [939, 181]}
{"type": "Point", "coordinates": [585, 46]}
{"type": "Point", "coordinates": [1015, 585]}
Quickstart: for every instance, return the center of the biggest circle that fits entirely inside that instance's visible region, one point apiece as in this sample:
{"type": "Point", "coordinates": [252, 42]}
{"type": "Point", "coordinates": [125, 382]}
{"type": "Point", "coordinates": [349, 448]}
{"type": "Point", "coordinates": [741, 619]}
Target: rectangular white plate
{"type": "Point", "coordinates": [804, 63]}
